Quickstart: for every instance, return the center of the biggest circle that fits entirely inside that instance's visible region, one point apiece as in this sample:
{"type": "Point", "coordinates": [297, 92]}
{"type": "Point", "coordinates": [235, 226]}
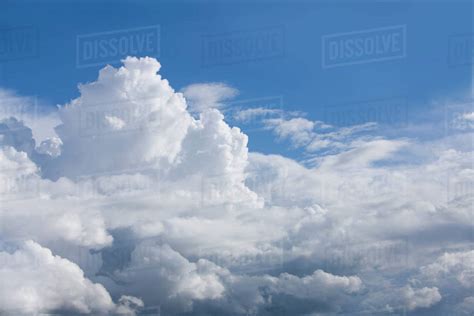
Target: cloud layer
{"type": "Point", "coordinates": [141, 204]}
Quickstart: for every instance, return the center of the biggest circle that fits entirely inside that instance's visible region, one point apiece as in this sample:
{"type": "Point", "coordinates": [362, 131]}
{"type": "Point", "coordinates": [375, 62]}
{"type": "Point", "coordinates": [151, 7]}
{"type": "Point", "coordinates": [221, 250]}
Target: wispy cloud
{"type": "Point", "coordinates": [201, 96]}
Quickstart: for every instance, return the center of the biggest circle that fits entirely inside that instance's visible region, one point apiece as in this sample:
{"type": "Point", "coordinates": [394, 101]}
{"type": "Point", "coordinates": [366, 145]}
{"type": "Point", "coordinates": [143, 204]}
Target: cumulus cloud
{"type": "Point", "coordinates": [165, 209]}
{"type": "Point", "coordinates": [162, 276]}
{"type": "Point", "coordinates": [133, 100]}
{"type": "Point", "coordinates": [466, 306]}
{"type": "Point", "coordinates": [50, 147]}
{"type": "Point", "coordinates": [22, 187]}
{"type": "Point", "coordinates": [457, 266]}
{"type": "Point", "coordinates": [34, 281]}
{"type": "Point", "coordinates": [420, 298]}
{"type": "Point", "coordinates": [30, 110]}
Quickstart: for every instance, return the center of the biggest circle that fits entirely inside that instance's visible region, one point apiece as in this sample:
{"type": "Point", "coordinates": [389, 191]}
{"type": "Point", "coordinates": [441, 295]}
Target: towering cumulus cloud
{"type": "Point", "coordinates": [141, 205]}
{"type": "Point", "coordinates": [130, 114]}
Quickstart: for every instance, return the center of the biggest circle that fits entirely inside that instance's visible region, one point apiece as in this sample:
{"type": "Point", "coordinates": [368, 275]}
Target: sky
{"type": "Point", "coordinates": [294, 73]}
{"type": "Point", "coordinates": [236, 157]}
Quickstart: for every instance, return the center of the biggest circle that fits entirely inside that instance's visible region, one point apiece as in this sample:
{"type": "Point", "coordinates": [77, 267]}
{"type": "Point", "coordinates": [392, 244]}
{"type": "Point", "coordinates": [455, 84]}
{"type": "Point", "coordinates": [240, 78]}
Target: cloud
{"type": "Point", "coordinates": [201, 96]}
{"type": "Point", "coordinates": [251, 114]}
{"type": "Point", "coordinates": [315, 136]}
{"type": "Point", "coordinates": [468, 116]}
{"type": "Point", "coordinates": [29, 110]}
{"type": "Point", "coordinates": [463, 121]}
{"type": "Point", "coordinates": [21, 188]}
{"type": "Point", "coordinates": [50, 147]}
{"type": "Point", "coordinates": [156, 271]}
{"type": "Point", "coordinates": [420, 298]}
{"type": "Point", "coordinates": [159, 273]}
{"type": "Point", "coordinates": [298, 130]}
{"type": "Point", "coordinates": [466, 306]}
{"type": "Point", "coordinates": [134, 100]}
{"type": "Point", "coordinates": [166, 210]}
{"type": "Point", "coordinates": [452, 267]}
{"type": "Point", "coordinates": [364, 153]}
{"type": "Point", "coordinates": [16, 134]}
{"type": "Point", "coordinates": [34, 280]}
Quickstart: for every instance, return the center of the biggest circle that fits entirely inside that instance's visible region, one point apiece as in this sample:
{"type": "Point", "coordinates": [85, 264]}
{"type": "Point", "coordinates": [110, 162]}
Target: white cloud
{"type": "Point", "coordinates": [466, 306]}
{"type": "Point", "coordinates": [50, 147]}
{"type": "Point", "coordinates": [420, 298]}
{"type": "Point", "coordinates": [30, 111]}
{"type": "Point", "coordinates": [298, 130]}
{"type": "Point", "coordinates": [156, 271]}
{"type": "Point", "coordinates": [152, 118]}
{"type": "Point", "coordinates": [457, 266]}
{"type": "Point", "coordinates": [251, 114]}
{"type": "Point", "coordinates": [34, 281]}
{"type": "Point", "coordinates": [178, 213]}
{"type": "Point", "coordinates": [363, 153]}
{"type": "Point", "coordinates": [201, 96]}
{"type": "Point", "coordinates": [463, 121]}
{"type": "Point", "coordinates": [315, 136]}
{"type": "Point", "coordinates": [468, 116]}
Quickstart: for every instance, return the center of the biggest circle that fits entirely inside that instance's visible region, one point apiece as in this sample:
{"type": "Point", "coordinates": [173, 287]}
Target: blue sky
{"type": "Point", "coordinates": [348, 188]}
{"type": "Point", "coordinates": [296, 75]}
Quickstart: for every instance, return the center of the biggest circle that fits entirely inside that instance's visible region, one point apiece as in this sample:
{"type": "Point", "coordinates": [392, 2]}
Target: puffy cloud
{"type": "Point", "coordinates": [463, 121]}
{"type": "Point", "coordinates": [30, 208]}
{"type": "Point", "coordinates": [317, 292]}
{"type": "Point", "coordinates": [157, 204]}
{"type": "Point", "coordinates": [15, 163]}
{"type": "Point", "coordinates": [162, 276]}
{"type": "Point", "coordinates": [50, 147]}
{"type": "Point", "coordinates": [34, 280]}
{"type": "Point", "coordinates": [53, 221]}
{"type": "Point", "coordinates": [466, 306]}
{"type": "Point", "coordinates": [30, 111]}
{"type": "Point", "coordinates": [468, 116]}
{"type": "Point", "coordinates": [130, 113]}
{"type": "Point", "coordinates": [420, 298]}
{"type": "Point", "coordinates": [390, 298]}
{"type": "Point", "coordinates": [449, 266]}
{"type": "Point", "coordinates": [159, 273]}
{"type": "Point", "coordinates": [15, 134]}
{"type": "Point", "coordinates": [135, 116]}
